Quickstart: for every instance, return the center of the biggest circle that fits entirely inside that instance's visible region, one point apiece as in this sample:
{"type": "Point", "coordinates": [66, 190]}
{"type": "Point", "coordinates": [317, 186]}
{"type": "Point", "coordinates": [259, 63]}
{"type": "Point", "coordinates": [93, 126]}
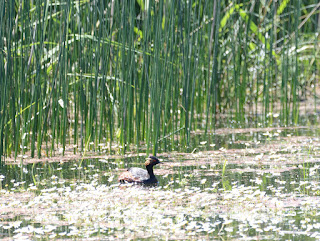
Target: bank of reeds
{"type": "Point", "coordinates": [93, 74]}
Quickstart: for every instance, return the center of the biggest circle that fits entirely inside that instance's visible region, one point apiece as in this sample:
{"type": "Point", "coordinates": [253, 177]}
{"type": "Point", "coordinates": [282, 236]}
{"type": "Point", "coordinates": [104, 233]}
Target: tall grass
{"type": "Point", "coordinates": [106, 75]}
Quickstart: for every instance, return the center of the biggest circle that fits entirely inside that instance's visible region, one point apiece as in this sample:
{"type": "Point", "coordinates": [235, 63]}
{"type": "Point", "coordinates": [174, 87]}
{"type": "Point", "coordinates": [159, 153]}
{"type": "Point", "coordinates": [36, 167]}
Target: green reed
{"type": "Point", "coordinates": [112, 76]}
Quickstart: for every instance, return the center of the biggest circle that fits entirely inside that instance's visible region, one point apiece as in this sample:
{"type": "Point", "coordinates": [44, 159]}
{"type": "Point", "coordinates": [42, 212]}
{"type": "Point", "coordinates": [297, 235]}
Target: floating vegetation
{"type": "Point", "coordinates": [269, 190]}
{"type": "Point", "coordinates": [91, 209]}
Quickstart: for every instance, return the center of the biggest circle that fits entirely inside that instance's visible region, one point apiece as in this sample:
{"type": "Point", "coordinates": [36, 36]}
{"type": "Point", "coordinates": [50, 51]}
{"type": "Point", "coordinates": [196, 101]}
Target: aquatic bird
{"type": "Point", "coordinates": [139, 175]}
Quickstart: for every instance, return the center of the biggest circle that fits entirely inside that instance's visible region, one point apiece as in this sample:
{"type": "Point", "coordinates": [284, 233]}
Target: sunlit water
{"type": "Point", "coordinates": [255, 185]}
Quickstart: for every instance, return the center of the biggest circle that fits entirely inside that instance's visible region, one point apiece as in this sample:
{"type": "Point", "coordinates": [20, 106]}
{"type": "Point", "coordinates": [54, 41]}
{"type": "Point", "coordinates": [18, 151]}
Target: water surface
{"type": "Point", "coordinates": [254, 185]}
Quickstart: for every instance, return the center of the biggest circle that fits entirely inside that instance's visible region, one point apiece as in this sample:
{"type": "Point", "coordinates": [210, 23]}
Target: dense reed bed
{"type": "Point", "coordinates": [93, 75]}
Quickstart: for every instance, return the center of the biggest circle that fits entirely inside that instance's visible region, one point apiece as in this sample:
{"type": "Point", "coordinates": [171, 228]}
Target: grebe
{"type": "Point", "coordinates": [139, 175]}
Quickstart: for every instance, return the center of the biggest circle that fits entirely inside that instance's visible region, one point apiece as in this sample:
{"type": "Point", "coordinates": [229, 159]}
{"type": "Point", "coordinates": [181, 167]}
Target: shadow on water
{"type": "Point", "coordinates": [202, 195]}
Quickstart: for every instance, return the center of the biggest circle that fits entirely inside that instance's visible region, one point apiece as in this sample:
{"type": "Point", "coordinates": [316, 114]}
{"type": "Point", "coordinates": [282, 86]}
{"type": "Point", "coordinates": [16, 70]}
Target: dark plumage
{"type": "Point", "coordinates": [139, 175]}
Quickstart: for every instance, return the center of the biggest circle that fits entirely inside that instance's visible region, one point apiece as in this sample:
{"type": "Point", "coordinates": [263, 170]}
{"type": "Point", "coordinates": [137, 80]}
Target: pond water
{"type": "Point", "coordinates": [261, 184]}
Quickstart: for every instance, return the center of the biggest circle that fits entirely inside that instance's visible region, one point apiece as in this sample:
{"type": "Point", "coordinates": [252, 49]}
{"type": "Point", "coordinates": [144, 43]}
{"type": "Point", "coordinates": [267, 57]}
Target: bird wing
{"type": "Point", "coordinates": [139, 173]}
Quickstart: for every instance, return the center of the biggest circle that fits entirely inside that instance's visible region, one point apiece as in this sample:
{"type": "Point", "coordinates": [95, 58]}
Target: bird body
{"type": "Point", "coordinates": [139, 175]}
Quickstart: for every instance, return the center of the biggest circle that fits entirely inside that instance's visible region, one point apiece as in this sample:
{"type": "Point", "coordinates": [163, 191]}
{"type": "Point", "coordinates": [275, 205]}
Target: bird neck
{"type": "Point", "coordinates": [150, 171]}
